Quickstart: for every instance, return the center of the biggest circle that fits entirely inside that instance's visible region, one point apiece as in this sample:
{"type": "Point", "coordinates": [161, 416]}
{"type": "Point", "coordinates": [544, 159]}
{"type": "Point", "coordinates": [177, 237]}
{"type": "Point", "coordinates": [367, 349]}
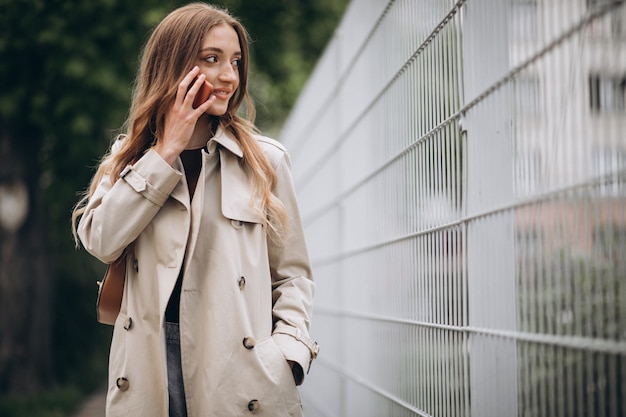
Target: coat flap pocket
{"type": "Point", "coordinates": [237, 191]}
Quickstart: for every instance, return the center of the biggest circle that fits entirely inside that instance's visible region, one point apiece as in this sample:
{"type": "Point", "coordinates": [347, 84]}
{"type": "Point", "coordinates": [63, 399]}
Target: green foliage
{"type": "Point", "coordinates": [67, 70]}
{"type": "Point", "coordinates": [580, 297]}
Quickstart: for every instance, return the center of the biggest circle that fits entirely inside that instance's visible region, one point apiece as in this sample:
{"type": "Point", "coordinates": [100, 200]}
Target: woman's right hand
{"type": "Point", "coordinates": [181, 117]}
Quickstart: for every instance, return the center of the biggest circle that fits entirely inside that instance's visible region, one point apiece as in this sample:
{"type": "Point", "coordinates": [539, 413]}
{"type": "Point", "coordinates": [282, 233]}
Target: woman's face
{"type": "Point", "coordinates": [219, 59]}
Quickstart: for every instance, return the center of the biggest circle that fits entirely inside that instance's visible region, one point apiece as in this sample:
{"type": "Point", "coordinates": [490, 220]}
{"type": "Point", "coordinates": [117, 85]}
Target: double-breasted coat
{"type": "Point", "coordinates": [245, 303]}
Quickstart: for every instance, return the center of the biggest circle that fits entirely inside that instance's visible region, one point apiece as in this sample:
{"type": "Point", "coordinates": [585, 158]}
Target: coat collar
{"type": "Point", "coordinates": [226, 140]}
{"type": "Point", "coordinates": [222, 138]}
{"type": "Point", "coordinates": [236, 187]}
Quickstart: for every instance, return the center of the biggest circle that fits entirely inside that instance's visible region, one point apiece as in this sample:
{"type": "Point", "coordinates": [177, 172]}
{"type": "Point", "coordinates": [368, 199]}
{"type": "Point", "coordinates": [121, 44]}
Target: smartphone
{"type": "Point", "coordinates": [203, 93]}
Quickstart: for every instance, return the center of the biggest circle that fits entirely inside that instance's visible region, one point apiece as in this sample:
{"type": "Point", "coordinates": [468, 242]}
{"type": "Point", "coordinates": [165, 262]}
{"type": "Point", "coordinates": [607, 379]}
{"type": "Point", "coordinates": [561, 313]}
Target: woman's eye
{"type": "Point", "coordinates": [236, 62]}
{"type": "Point", "coordinates": [211, 59]}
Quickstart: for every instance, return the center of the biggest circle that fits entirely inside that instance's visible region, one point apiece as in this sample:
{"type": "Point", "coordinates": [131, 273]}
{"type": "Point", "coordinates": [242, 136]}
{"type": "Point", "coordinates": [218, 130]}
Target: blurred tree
{"type": "Point", "coordinates": [66, 81]}
{"type": "Point", "coordinates": [66, 71]}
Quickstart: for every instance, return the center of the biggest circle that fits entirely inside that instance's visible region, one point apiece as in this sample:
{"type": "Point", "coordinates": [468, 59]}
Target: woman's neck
{"type": "Point", "coordinates": [201, 133]}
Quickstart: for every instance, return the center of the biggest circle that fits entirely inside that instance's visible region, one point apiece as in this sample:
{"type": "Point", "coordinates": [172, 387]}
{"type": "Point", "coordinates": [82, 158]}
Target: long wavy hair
{"type": "Point", "coordinates": [170, 52]}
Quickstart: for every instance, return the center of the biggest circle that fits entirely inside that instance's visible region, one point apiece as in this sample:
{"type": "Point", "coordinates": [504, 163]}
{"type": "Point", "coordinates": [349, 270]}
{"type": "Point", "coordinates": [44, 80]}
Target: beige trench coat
{"type": "Point", "coordinates": [245, 302]}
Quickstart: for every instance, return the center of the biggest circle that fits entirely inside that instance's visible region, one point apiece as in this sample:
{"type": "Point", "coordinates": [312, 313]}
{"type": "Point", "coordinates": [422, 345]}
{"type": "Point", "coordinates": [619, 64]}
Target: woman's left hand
{"type": "Point", "coordinates": [296, 370]}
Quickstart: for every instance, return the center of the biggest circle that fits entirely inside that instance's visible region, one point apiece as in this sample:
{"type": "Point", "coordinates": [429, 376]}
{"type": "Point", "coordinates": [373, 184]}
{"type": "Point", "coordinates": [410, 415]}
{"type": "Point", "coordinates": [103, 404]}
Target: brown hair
{"type": "Point", "coordinates": [168, 55]}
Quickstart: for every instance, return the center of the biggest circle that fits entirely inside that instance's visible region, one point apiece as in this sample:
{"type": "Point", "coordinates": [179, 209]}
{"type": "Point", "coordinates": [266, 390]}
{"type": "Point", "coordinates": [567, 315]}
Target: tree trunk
{"type": "Point", "coordinates": [25, 275]}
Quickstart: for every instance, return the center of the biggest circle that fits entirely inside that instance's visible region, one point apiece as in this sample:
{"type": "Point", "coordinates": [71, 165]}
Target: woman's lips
{"type": "Point", "coordinates": [221, 94]}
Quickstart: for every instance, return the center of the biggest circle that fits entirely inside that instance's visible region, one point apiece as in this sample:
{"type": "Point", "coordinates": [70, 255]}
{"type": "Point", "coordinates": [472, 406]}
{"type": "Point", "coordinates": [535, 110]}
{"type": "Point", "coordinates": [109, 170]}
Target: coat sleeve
{"type": "Point", "coordinates": [117, 213]}
{"type": "Point", "coordinates": [292, 282]}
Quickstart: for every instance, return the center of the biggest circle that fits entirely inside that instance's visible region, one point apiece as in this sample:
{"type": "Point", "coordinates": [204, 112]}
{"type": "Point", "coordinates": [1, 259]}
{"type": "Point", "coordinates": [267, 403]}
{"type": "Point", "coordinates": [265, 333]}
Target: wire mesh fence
{"type": "Point", "coordinates": [461, 169]}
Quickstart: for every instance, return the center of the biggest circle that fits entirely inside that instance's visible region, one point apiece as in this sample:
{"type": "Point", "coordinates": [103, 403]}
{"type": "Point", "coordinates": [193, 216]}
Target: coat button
{"type": "Point", "coordinates": [122, 384]}
{"type": "Point", "coordinates": [249, 342]}
{"type": "Point", "coordinates": [242, 283]}
{"type": "Point", "coordinates": [136, 264]}
{"type": "Point", "coordinates": [237, 224]}
{"type": "Point", "coordinates": [128, 323]}
{"type": "Point", "coordinates": [254, 406]}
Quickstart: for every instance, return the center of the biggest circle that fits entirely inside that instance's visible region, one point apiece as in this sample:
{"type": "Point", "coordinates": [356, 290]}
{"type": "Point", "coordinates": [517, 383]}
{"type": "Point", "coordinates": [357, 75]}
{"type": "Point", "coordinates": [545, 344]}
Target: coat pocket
{"type": "Point", "coordinates": [258, 382]}
{"type": "Point", "coordinates": [276, 365]}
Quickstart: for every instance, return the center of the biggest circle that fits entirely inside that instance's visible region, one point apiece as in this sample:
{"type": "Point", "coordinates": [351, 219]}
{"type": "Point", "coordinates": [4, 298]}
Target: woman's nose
{"type": "Point", "coordinates": [228, 73]}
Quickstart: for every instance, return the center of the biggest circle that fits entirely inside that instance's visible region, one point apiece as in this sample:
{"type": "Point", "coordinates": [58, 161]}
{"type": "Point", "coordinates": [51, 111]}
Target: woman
{"type": "Point", "coordinates": [217, 298]}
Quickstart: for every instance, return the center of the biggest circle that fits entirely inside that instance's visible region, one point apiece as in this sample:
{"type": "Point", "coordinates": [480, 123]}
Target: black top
{"type": "Point", "coordinates": [192, 162]}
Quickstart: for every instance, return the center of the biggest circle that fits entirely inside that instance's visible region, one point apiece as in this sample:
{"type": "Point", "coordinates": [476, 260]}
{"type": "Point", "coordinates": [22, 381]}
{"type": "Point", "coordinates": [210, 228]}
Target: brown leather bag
{"type": "Point", "coordinates": [111, 291]}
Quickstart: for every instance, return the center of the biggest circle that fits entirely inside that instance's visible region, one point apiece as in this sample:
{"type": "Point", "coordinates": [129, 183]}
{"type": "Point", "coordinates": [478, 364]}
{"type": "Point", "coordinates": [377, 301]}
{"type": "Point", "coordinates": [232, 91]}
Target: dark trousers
{"type": "Point", "coordinates": [176, 389]}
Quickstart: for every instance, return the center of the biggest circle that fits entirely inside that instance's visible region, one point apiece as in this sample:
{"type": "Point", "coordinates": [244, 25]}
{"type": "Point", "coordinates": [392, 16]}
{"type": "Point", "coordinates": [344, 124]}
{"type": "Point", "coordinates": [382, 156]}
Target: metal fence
{"type": "Point", "coordinates": [461, 170]}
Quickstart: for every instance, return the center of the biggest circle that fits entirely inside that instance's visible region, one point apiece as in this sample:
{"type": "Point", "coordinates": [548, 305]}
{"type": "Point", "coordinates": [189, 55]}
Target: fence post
{"type": "Point", "coordinates": [490, 250]}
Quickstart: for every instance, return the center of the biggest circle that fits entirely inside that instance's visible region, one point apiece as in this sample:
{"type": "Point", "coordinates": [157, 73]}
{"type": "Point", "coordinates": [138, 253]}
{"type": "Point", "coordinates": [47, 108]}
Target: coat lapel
{"type": "Point", "coordinates": [236, 185]}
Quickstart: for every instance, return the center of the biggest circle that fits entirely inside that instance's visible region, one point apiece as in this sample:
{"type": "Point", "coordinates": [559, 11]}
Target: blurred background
{"type": "Point", "coordinates": [461, 172]}
{"type": "Point", "coordinates": [66, 73]}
